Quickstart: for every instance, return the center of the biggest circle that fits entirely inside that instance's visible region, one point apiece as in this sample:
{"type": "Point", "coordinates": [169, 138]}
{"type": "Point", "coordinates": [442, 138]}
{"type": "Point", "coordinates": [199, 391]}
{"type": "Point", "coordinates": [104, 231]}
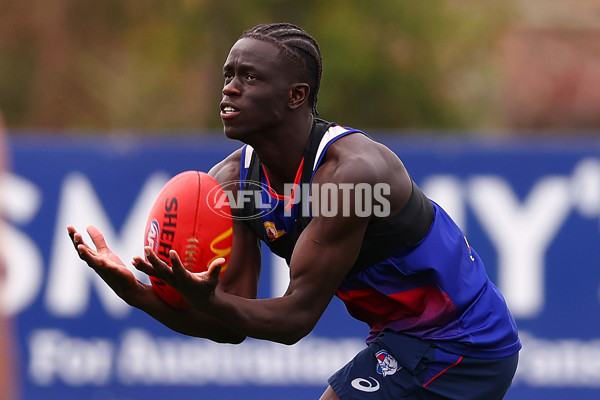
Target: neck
{"type": "Point", "coordinates": [281, 153]}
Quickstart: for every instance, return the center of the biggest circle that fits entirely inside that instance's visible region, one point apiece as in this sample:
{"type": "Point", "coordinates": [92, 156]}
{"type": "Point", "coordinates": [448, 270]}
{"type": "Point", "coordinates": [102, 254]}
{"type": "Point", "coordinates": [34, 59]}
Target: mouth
{"type": "Point", "coordinates": [228, 111]}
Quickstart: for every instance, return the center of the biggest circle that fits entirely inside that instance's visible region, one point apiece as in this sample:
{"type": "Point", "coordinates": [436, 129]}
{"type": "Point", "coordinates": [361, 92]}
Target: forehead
{"type": "Point", "coordinates": [254, 52]}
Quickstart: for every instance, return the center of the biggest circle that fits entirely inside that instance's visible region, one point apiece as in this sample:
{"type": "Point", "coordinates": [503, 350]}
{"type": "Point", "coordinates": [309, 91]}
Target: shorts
{"type": "Point", "coordinates": [397, 366]}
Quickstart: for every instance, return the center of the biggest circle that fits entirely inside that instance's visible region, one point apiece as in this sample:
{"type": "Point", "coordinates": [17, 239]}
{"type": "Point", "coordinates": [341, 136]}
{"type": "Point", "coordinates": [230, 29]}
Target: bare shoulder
{"type": "Point", "coordinates": [357, 158]}
{"type": "Point", "coordinates": [357, 155]}
{"type": "Point", "coordinates": [229, 169]}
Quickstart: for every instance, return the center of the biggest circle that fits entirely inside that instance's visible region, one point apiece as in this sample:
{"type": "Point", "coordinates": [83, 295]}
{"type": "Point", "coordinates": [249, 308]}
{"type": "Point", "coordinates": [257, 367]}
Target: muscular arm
{"type": "Point", "coordinates": [240, 279]}
{"type": "Point", "coordinates": [323, 255]}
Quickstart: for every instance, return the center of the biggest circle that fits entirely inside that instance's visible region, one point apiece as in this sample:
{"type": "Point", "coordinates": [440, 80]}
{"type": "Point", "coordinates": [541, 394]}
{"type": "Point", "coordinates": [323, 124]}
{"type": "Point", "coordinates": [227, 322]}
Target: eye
{"type": "Point", "coordinates": [228, 76]}
{"type": "Point", "coordinates": [251, 77]}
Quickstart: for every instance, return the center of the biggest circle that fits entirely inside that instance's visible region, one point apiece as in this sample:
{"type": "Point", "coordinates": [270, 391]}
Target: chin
{"type": "Point", "coordinates": [235, 133]}
{"type": "Point", "coordinates": [247, 134]}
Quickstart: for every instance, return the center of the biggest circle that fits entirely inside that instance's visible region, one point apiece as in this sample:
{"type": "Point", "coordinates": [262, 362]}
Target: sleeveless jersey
{"type": "Point", "coordinates": [415, 272]}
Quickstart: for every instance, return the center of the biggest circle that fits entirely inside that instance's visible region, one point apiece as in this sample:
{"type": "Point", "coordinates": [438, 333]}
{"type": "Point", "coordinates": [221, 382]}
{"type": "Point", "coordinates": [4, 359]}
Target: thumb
{"type": "Point", "coordinates": [214, 269]}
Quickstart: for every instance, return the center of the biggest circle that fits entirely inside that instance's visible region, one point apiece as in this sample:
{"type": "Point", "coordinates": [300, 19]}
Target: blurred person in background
{"type": "Point", "coordinates": [439, 328]}
{"type": "Point", "coordinates": [8, 386]}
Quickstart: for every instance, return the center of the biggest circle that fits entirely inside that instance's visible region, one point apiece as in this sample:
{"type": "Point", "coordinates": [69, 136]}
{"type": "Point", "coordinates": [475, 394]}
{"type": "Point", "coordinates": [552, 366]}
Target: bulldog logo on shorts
{"type": "Point", "coordinates": [387, 364]}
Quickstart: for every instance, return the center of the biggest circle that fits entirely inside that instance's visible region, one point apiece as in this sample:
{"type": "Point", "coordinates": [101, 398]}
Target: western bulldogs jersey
{"type": "Point", "coordinates": [415, 272]}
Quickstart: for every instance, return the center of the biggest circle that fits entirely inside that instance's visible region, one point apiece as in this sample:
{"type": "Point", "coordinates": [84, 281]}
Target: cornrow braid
{"type": "Point", "coordinates": [298, 46]}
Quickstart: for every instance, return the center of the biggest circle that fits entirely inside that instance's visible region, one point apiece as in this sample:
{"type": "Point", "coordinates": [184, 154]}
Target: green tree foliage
{"type": "Point", "coordinates": [156, 65]}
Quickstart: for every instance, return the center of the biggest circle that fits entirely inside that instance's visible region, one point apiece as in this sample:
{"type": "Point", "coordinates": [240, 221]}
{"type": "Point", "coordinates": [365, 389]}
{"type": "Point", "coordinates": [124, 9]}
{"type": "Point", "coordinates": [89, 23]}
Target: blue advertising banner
{"type": "Point", "coordinates": [530, 208]}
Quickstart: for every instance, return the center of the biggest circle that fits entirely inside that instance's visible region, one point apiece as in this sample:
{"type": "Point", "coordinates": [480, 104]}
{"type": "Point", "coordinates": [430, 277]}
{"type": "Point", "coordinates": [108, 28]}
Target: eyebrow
{"type": "Point", "coordinates": [243, 67]}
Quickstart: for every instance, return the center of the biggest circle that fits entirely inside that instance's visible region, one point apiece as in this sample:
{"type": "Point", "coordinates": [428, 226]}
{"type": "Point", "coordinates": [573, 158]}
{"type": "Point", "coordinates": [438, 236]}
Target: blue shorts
{"type": "Point", "coordinates": [397, 366]}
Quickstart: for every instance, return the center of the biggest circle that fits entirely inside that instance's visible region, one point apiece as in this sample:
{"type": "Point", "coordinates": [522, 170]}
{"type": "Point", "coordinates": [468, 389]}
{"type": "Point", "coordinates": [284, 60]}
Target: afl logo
{"type": "Point", "coordinates": [229, 196]}
{"type": "Point", "coordinates": [153, 235]}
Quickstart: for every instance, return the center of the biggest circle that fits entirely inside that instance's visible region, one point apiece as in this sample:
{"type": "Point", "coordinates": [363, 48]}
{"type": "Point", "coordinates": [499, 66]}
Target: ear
{"type": "Point", "coordinates": [298, 95]}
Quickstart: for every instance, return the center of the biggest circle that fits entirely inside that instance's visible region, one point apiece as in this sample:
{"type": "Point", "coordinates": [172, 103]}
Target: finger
{"type": "Point", "coordinates": [142, 265]}
{"type": "Point", "coordinates": [71, 231]}
{"type": "Point", "coordinates": [77, 239]}
{"type": "Point", "coordinates": [82, 250]}
{"type": "Point", "coordinates": [88, 255]}
{"type": "Point", "coordinates": [74, 235]}
{"type": "Point", "coordinates": [155, 266]}
{"type": "Point", "coordinates": [179, 269]}
{"type": "Point", "coordinates": [97, 238]}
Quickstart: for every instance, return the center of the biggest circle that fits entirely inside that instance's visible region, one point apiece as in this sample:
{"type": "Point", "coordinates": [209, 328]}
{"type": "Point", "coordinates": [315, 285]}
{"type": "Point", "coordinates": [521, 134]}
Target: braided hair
{"type": "Point", "coordinates": [299, 47]}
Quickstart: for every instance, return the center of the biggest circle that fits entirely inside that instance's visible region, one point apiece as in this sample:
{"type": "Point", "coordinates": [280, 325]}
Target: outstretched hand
{"type": "Point", "coordinates": [196, 287]}
{"type": "Point", "coordinates": [106, 263]}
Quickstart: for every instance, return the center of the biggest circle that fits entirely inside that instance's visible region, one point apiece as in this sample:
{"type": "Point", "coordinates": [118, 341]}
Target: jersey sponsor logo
{"type": "Point", "coordinates": [365, 385]}
{"type": "Point", "coordinates": [387, 365]}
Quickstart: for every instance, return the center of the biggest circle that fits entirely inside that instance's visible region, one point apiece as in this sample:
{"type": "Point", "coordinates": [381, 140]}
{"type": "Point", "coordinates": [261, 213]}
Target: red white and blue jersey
{"type": "Point", "coordinates": [437, 291]}
{"type": "Point", "coordinates": [415, 273]}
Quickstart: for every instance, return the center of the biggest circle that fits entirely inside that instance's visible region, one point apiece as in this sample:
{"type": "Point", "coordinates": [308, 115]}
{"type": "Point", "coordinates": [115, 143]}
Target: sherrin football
{"type": "Point", "coordinates": [188, 217]}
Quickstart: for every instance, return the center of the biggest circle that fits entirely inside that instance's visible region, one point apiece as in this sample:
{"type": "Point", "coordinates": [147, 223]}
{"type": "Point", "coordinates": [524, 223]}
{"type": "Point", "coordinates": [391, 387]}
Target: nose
{"type": "Point", "coordinates": [231, 88]}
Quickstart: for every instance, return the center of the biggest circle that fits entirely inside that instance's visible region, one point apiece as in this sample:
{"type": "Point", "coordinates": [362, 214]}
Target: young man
{"type": "Point", "coordinates": [439, 327]}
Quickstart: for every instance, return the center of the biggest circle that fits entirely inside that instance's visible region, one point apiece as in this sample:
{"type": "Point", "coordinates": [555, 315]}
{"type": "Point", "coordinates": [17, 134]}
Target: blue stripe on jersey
{"type": "Point", "coordinates": [437, 291]}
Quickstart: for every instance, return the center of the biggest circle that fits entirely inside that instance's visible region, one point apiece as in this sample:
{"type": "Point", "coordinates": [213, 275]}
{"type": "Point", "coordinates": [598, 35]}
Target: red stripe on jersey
{"type": "Point", "coordinates": [290, 199]}
{"type": "Point", "coordinates": [423, 306]}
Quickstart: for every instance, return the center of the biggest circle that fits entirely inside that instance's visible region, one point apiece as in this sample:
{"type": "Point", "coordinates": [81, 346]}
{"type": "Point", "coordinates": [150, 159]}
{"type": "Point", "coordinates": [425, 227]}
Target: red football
{"type": "Point", "coordinates": [190, 217]}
